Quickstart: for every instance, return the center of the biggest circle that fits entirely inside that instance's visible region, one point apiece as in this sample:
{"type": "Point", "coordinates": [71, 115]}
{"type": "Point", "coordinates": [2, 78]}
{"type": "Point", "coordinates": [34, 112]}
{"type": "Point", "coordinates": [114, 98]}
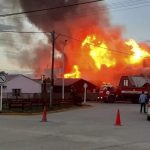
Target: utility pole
{"type": "Point", "coordinates": [52, 67]}
{"type": "Point", "coordinates": [63, 70]}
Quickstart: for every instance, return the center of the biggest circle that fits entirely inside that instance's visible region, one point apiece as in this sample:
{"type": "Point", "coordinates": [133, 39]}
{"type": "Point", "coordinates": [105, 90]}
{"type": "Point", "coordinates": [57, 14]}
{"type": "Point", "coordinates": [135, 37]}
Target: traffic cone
{"type": "Point", "coordinates": [44, 116]}
{"type": "Point", "coordinates": [118, 120]}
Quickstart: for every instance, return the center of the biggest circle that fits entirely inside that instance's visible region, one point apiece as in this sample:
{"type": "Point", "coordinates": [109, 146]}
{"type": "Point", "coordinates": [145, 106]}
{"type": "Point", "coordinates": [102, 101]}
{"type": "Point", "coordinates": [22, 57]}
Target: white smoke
{"type": "Point", "coordinates": [13, 45]}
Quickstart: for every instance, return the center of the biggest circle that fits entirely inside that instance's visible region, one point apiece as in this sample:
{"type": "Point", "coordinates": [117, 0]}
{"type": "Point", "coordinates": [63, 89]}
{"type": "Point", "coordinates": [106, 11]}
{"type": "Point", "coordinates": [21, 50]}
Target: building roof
{"type": "Point", "coordinates": [37, 80]}
{"type": "Point", "coordinates": [67, 81]}
{"type": "Point", "coordinates": [13, 76]}
{"type": "Point", "coordinates": [139, 81]}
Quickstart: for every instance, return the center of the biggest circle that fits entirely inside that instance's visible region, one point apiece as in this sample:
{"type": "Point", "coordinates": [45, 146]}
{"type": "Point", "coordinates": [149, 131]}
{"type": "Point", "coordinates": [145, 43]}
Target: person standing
{"type": "Point", "coordinates": [143, 101]}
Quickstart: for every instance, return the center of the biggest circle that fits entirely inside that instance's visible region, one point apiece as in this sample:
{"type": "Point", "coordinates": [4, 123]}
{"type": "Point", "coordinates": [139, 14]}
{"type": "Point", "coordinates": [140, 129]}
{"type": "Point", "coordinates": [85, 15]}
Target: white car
{"type": "Point", "coordinates": [148, 110]}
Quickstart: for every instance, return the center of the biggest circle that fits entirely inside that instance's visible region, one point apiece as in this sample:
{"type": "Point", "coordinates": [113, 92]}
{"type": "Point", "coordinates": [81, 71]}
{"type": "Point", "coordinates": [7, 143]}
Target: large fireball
{"type": "Point", "coordinates": [107, 59]}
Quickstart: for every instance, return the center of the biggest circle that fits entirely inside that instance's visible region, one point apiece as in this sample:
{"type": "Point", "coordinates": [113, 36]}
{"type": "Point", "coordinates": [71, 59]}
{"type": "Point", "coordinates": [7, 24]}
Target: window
{"type": "Point", "coordinates": [125, 83]}
{"type": "Point", "coordinates": [16, 92]}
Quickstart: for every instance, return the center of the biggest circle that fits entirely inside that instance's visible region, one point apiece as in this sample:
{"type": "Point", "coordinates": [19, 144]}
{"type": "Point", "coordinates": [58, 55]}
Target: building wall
{"type": "Point", "coordinates": [25, 84]}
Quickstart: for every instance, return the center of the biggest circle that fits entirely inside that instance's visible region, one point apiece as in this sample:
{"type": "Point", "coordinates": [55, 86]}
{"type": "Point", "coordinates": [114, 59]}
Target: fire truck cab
{"type": "Point", "coordinates": [107, 93]}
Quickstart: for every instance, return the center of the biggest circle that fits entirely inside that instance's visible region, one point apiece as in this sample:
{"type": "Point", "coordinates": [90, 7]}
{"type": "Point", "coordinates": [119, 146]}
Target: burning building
{"type": "Point", "coordinates": [95, 48]}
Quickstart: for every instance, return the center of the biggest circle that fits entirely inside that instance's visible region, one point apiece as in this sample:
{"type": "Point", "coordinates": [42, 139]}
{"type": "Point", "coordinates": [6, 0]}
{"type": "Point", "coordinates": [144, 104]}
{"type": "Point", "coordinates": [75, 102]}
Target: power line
{"type": "Point", "coordinates": [121, 6]}
{"type": "Point", "coordinates": [127, 7]}
{"type": "Point", "coordinates": [21, 32]}
{"type": "Point", "coordinates": [113, 50]}
{"type": "Point", "coordinates": [125, 4]}
{"type": "Point", "coordinates": [78, 40]}
{"type": "Point", "coordinates": [47, 9]}
{"type": "Point", "coordinates": [129, 2]}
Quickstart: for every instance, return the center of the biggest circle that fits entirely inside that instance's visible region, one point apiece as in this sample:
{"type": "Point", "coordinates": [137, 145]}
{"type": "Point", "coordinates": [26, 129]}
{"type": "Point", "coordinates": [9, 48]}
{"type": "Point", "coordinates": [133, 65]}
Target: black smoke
{"type": "Point", "coordinates": [74, 21]}
{"type": "Point", "coordinates": [61, 19]}
{"type": "Point", "coordinates": [46, 19]}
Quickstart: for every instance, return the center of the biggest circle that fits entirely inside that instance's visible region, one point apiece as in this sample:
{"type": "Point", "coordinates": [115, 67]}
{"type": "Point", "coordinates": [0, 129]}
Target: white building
{"type": "Point", "coordinates": [20, 84]}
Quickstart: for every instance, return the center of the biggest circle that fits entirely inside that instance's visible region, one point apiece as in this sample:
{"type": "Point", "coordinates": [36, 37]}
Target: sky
{"type": "Point", "coordinates": [133, 18]}
{"type": "Point", "coordinates": [131, 15]}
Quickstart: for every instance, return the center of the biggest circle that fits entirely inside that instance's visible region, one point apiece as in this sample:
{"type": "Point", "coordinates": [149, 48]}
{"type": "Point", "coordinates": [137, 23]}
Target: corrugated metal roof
{"type": "Point", "coordinates": [139, 81]}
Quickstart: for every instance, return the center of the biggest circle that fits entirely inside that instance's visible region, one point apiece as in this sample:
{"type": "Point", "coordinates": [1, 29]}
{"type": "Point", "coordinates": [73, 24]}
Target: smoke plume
{"type": "Point", "coordinates": [65, 20]}
{"type": "Point", "coordinates": [74, 24]}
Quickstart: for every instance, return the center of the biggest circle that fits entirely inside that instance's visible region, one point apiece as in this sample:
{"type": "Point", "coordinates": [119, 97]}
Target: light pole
{"type": "Point", "coordinates": [63, 70]}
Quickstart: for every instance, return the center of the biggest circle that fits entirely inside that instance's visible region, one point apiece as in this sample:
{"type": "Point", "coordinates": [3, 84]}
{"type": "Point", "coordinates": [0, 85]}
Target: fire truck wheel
{"type": "Point", "coordinates": [119, 98]}
{"type": "Point", "coordinates": [148, 118]}
{"type": "Point", "coordinates": [104, 100]}
{"type": "Point", "coordinates": [111, 98]}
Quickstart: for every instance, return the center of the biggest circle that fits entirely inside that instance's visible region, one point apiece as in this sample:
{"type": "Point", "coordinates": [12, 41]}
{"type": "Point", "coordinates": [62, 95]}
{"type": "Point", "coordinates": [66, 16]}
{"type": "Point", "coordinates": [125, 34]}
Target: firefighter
{"type": "Point", "coordinates": [143, 101]}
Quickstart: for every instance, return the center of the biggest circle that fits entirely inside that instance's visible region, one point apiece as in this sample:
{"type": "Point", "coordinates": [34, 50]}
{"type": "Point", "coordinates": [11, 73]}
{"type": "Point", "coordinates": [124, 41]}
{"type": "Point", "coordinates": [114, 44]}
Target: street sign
{"type": "Point", "coordinates": [2, 81]}
{"type": "Point", "coordinates": [2, 78]}
{"type": "Point", "coordinates": [85, 85]}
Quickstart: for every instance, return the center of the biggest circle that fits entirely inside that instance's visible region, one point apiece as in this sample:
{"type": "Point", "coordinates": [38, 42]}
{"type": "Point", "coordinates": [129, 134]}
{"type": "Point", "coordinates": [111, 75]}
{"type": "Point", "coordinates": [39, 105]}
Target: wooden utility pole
{"type": "Point", "coordinates": [63, 70]}
{"type": "Point", "coordinates": [52, 67]}
{"type": "Point", "coordinates": [53, 55]}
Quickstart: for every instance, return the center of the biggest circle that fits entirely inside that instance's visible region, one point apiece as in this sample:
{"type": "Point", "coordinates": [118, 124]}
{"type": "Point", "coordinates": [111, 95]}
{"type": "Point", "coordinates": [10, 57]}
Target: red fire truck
{"type": "Point", "coordinates": [110, 94]}
{"type": "Point", "coordinates": [131, 94]}
{"type": "Point", "coordinates": [129, 89]}
{"type": "Point", "coordinates": [107, 93]}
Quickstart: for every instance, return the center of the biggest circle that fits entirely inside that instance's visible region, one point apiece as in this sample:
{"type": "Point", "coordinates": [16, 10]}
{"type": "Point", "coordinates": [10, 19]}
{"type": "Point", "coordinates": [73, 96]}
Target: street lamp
{"type": "Point", "coordinates": [63, 70]}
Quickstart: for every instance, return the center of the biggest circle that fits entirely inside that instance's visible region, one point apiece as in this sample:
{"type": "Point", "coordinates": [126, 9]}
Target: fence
{"type": "Point", "coordinates": [38, 99]}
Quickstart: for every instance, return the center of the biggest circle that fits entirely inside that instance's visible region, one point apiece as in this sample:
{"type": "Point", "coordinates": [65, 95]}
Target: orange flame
{"type": "Point", "coordinates": [99, 52]}
{"type": "Point", "coordinates": [96, 58]}
{"type": "Point", "coordinates": [75, 73]}
{"type": "Point", "coordinates": [138, 53]}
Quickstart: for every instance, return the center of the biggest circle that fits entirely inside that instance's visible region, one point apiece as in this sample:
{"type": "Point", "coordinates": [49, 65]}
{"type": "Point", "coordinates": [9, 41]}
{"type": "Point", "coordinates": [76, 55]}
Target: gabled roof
{"type": "Point", "coordinates": [67, 82]}
{"type": "Point", "coordinates": [139, 81]}
{"type": "Point", "coordinates": [58, 81]}
{"type": "Point", "coordinates": [37, 80]}
{"type": "Point", "coordinates": [10, 77]}
{"type": "Point", "coordinates": [72, 81]}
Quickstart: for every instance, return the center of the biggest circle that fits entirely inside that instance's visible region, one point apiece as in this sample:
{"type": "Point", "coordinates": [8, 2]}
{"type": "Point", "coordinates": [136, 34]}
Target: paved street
{"type": "Point", "coordinates": [89, 128]}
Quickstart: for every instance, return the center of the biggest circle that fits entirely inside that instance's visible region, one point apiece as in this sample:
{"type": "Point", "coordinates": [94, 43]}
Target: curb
{"type": "Point", "coordinates": [49, 111]}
